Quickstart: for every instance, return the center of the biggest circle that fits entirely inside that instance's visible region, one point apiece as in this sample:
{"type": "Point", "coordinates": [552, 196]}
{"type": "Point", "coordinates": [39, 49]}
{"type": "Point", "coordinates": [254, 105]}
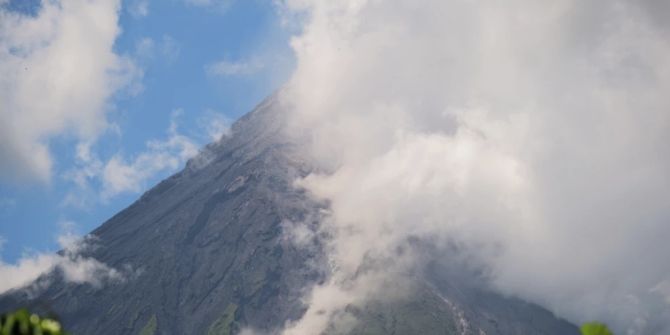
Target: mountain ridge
{"type": "Point", "coordinates": [206, 253]}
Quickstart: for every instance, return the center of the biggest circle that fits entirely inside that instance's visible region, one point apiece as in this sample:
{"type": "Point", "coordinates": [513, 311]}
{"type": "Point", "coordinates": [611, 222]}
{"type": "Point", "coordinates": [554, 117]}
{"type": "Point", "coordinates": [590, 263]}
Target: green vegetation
{"type": "Point", "coordinates": [23, 322]}
{"type": "Point", "coordinates": [225, 325]}
{"type": "Point", "coordinates": [150, 327]}
{"type": "Point", "coordinates": [595, 328]}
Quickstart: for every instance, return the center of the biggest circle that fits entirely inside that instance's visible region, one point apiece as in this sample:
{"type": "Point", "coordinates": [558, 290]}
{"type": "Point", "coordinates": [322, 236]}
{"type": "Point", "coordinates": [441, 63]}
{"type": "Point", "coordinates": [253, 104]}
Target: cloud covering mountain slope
{"type": "Point", "coordinates": [533, 134]}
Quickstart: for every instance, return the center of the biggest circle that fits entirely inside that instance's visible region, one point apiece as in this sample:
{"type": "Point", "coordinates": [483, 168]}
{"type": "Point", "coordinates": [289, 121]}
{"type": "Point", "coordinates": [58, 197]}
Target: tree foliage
{"type": "Point", "coordinates": [595, 328]}
{"type": "Point", "coordinates": [23, 322]}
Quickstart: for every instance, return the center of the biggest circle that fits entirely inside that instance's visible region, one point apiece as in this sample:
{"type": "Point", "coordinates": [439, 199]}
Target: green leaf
{"type": "Point", "coordinates": [21, 322]}
{"type": "Point", "coordinates": [595, 328]}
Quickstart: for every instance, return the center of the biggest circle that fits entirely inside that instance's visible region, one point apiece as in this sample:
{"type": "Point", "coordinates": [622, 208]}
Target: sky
{"type": "Point", "coordinates": [532, 135]}
{"type": "Point", "coordinates": [182, 71]}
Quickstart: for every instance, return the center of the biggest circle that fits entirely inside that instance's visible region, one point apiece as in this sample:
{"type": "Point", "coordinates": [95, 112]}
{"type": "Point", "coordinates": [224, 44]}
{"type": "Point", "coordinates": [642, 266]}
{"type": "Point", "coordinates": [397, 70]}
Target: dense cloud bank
{"type": "Point", "coordinates": [535, 134]}
{"type": "Point", "coordinates": [58, 71]}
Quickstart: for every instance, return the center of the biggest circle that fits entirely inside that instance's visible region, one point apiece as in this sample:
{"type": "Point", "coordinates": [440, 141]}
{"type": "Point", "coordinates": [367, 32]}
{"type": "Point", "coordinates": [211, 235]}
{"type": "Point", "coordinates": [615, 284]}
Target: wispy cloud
{"type": "Point", "coordinates": [74, 266]}
{"type": "Point", "coordinates": [170, 48]}
{"type": "Point", "coordinates": [96, 179]}
{"type": "Point", "coordinates": [167, 49]}
{"type": "Point", "coordinates": [235, 68]}
{"type": "Point", "coordinates": [216, 125]}
{"type": "Point", "coordinates": [6, 204]}
{"type": "Point", "coordinates": [120, 175]}
{"type": "Point", "coordinates": [145, 48]}
{"type": "Point", "coordinates": [138, 8]}
{"type": "Point", "coordinates": [220, 5]}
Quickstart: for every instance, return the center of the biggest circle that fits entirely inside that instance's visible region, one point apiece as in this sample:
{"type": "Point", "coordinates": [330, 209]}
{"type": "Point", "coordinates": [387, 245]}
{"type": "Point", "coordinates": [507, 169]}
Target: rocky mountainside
{"type": "Point", "coordinates": [205, 253]}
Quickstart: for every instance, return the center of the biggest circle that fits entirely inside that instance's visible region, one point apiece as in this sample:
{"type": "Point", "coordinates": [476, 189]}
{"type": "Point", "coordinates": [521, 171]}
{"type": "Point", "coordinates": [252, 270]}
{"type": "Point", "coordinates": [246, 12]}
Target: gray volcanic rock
{"type": "Point", "coordinates": [206, 242]}
{"type": "Point", "coordinates": [205, 254]}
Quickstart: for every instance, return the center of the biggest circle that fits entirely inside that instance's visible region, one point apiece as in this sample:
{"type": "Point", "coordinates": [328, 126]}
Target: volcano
{"type": "Point", "coordinates": [205, 252]}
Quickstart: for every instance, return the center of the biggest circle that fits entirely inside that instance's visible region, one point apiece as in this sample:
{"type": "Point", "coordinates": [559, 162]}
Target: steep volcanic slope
{"type": "Point", "coordinates": [205, 241]}
{"type": "Point", "coordinates": [205, 254]}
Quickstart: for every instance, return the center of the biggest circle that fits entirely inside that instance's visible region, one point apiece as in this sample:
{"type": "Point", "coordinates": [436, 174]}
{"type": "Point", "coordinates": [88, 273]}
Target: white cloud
{"type": "Point", "coordinates": [535, 133]}
{"type": "Point", "coordinates": [120, 175]}
{"type": "Point", "coordinates": [58, 71]}
{"type": "Point", "coordinates": [100, 179]}
{"type": "Point", "coordinates": [232, 68]}
{"type": "Point", "coordinates": [74, 266]}
{"type": "Point", "coordinates": [216, 125]}
{"type": "Point", "coordinates": [88, 167]}
{"type": "Point", "coordinates": [139, 8]}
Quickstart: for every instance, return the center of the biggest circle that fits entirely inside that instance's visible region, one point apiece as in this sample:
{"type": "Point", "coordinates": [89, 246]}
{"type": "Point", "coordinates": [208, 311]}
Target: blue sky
{"type": "Point", "coordinates": [192, 67]}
